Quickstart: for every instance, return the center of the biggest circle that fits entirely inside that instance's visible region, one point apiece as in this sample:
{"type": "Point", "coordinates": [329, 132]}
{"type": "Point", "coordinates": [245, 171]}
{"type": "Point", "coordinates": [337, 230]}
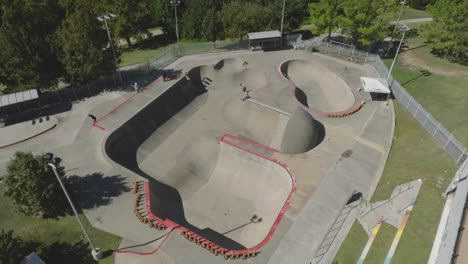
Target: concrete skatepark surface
{"type": "Point", "coordinates": [325, 177]}
{"type": "Point", "coordinates": [174, 143]}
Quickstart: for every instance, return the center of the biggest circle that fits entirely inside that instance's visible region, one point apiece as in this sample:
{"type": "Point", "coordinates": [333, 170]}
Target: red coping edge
{"type": "Point", "coordinates": [280, 216]}
{"type": "Point", "coordinates": [248, 142]}
{"type": "Point", "coordinates": [351, 110]}
{"type": "Point", "coordinates": [126, 100]}
{"type": "Point", "coordinates": [31, 137]}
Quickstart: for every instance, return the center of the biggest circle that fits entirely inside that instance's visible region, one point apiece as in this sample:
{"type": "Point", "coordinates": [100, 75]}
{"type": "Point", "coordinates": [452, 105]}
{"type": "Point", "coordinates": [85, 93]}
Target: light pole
{"type": "Point", "coordinates": [403, 28]}
{"type": "Point", "coordinates": [282, 16]}
{"type": "Point", "coordinates": [175, 3]}
{"type": "Point", "coordinates": [105, 18]}
{"type": "Point", "coordinates": [396, 25]}
{"type": "Point", "coordinates": [96, 252]}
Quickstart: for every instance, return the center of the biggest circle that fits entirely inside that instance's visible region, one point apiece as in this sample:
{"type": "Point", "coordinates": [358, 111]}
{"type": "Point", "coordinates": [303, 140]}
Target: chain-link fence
{"type": "Point", "coordinates": [337, 49]}
{"type": "Point", "coordinates": [453, 147]}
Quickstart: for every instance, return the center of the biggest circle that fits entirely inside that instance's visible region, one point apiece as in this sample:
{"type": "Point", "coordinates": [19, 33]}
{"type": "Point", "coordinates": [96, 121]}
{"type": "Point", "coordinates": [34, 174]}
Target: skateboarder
{"type": "Point", "coordinates": [164, 74]}
{"type": "Point", "coordinates": [246, 92]}
{"type": "Point", "coordinates": [93, 118]}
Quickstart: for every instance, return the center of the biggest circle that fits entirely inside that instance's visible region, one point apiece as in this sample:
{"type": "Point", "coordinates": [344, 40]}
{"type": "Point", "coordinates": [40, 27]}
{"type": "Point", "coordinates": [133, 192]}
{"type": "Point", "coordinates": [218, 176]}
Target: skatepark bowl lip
{"type": "Point", "coordinates": [278, 219]}
{"type": "Point", "coordinates": [356, 106]}
{"type": "Point", "coordinates": [122, 143]}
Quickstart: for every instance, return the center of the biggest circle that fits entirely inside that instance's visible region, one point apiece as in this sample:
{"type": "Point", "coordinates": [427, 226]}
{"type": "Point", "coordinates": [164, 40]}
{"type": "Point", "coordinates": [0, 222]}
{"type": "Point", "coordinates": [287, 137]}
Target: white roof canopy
{"type": "Point", "coordinates": [375, 85]}
{"type": "Point", "coordinates": [264, 35]}
{"type": "Point", "coordinates": [19, 97]}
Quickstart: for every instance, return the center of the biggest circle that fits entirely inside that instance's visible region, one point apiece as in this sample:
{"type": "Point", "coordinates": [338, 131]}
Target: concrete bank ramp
{"type": "Point", "coordinates": [242, 185]}
{"type": "Point", "coordinates": [317, 87]}
{"type": "Point", "coordinates": [302, 133]}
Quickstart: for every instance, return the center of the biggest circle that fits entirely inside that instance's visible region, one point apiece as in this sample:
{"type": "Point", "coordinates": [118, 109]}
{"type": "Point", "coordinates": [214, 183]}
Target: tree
{"type": "Point", "coordinates": [420, 4]}
{"type": "Point", "coordinates": [295, 12]}
{"type": "Point", "coordinates": [164, 16]}
{"type": "Point", "coordinates": [326, 15]}
{"type": "Point", "coordinates": [134, 17]}
{"type": "Point", "coordinates": [192, 18]}
{"type": "Point", "coordinates": [211, 26]}
{"type": "Point", "coordinates": [14, 249]}
{"type": "Point", "coordinates": [367, 20]}
{"type": "Point", "coordinates": [33, 187]}
{"type": "Point", "coordinates": [28, 55]}
{"type": "Point", "coordinates": [84, 45]}
{"type": "Point", "coordinates": [448, 34]}
{"type": "Point", "coordinates": [241, 17]}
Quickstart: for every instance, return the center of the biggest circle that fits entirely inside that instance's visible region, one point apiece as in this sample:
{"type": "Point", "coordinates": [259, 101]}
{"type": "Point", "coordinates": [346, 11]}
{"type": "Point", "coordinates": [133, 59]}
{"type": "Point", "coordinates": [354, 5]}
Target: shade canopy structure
{"type": "Point", "coordinates": [265, 39]}
{"type": "Point", "coordinates": [16, 98]}
{"type": "Point", "coordinates": [375, 85]}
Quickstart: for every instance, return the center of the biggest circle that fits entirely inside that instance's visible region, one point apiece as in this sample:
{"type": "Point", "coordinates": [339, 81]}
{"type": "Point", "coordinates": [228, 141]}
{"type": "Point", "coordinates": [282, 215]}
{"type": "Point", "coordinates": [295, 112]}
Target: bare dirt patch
{"type": "Point", "coordinates": [411, 60]}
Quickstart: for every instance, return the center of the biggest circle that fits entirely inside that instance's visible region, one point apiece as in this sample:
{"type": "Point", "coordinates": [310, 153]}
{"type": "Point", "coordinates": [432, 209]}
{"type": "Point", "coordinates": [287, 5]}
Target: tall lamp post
{"type": "Point", "coordinates": [403, 28]}
{"type": "Point", "coordinates": [49, 157]}
{"type": "Point", "coordinates": [175, 3]}
{"type": "Point", "coordinates": [282, 16]}
{"type": "Point", "coordinates": [105, 18]}
{"type": "Point", "coordinates": [396, 25]}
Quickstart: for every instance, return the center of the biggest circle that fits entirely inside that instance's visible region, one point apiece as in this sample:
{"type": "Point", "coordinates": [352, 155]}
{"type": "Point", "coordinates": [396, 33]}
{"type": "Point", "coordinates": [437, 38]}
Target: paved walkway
{"type": "Point", "coordinates": [18, 133]}
{"type": "Point", "coordinates": [416, 20]}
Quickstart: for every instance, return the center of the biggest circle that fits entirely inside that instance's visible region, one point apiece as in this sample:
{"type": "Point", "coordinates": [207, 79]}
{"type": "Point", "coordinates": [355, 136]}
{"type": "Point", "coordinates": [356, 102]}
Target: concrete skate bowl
{"type": "Point", "coordinates": [198, 181]}
{"type": "Point", "coordinates": [318, 90]}
{"type": "Point", "coordinates": [230, 73]}
{"type": "Point", "coordinates": [230, 64]}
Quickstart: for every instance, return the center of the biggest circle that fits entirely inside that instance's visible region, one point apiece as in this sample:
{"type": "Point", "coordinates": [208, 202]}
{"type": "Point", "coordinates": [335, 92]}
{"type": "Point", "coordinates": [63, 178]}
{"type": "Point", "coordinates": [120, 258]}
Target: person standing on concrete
{"type": "Point", "coordinates": [135, 86]}
{"type": "Point", "coordinates": [164, 74]}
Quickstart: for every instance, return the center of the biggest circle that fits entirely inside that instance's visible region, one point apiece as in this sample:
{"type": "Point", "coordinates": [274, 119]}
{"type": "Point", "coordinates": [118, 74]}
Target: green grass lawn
{"type": "Point", "coordinates": [135, 56]}
{"type": "Point", "coordinates": [138, 55]}
{"type": "Point", "coordinates": [443, 96]}
{"type": "Point", "coordinates": [414, 155]}
{"type": "Point", "coordinates": [423, 51]}
{"type": "Point", "coordinates": [409, 13]}
{"type": "Point", "coordinates": [62, 240]}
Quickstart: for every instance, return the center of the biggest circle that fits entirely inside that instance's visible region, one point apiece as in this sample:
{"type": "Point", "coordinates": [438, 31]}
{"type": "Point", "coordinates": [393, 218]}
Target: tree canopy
{"type": "Point", "coordinates": [326, 15]}
{"type": "Point", "coordinates": [367, 20]}
{"type": "Point", "coordinates": [240, 17]}
{"type": "Point", "coordinates": [134, 17]}
{"type": "Point", "coordinates": [28, 53]}
{"type": "Point", "coordinates": [295, 12]}
{"type": "Point", "coordinates": [33, 187]}
{"type": "Point", "coordinates": [14, 249]}
{"type": "Point", "coordinates": [448, 33]}
{"type": "Point", "coordinates": [83, 41]}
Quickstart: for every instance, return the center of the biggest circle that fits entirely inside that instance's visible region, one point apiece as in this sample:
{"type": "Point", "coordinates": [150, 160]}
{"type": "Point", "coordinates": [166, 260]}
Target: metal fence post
{"type": "Point", "coordinates": [448, 141]}
{"type": "Point", "coordinates": [461, 157]}
{"type": "Point", "coordinates": [352, 53]}
{"type": "Point", "coordinates": [437, 128]}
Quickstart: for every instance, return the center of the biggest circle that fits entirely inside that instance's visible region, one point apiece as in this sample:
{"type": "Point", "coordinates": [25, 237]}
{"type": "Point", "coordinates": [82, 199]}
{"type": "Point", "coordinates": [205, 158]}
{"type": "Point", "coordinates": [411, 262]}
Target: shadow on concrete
{"type": "Point", "coordinates": [122, 145]}
{"type": "Point", "coordinates": [95, 189]}
{"type": "Point", "coordinates": [61, 252]}
{"type": "Point", "coordinates": [301, 96]}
